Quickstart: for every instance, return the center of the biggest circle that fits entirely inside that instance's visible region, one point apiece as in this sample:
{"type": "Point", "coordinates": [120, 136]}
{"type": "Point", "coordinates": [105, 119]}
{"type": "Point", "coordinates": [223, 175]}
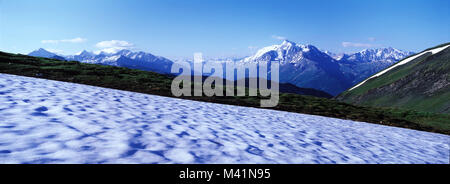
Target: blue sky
{"type": "Point", "coordinates": [220, 28]}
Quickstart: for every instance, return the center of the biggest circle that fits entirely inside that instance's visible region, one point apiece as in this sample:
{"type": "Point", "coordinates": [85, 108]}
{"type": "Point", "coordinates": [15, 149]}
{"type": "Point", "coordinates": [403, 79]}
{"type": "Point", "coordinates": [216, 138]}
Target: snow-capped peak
{"type": "Point", "coordinates": [287, 49]}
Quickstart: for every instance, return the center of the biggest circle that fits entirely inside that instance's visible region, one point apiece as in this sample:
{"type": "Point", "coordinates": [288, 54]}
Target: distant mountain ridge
{"type": "Point", "coordinates": [123, 58]}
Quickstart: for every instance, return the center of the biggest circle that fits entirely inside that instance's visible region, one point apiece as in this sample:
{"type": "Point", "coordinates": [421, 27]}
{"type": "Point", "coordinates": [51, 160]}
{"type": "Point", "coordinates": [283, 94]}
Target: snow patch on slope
{"type": "Point", "coordinates": [45, 121]}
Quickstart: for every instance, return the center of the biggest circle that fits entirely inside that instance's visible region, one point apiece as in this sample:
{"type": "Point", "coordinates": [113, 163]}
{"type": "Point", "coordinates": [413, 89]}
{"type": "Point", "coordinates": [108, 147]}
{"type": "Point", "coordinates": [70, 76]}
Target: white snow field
{"type": "Point", "coordinates": [43, 121]}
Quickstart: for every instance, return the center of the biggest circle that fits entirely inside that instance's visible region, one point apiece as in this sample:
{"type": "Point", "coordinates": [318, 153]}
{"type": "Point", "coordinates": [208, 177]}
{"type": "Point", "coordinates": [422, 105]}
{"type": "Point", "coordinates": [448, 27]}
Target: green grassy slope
{"type": "Point", "coordinates": [158, 84]}
{"type": "Point", "coordinates": [423, 84]}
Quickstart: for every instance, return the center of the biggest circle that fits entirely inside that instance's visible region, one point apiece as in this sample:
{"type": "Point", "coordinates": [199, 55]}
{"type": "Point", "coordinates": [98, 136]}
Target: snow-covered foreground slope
{"type": "Point", "coordinates": [44, 121]}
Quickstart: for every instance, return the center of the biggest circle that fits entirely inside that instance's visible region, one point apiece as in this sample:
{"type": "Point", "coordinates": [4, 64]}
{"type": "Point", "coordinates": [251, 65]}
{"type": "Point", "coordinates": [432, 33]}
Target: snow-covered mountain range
{"type": "Point", "coordinates": [305, 66]}
{"type": "Point", "coordinates": [42, 53]}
